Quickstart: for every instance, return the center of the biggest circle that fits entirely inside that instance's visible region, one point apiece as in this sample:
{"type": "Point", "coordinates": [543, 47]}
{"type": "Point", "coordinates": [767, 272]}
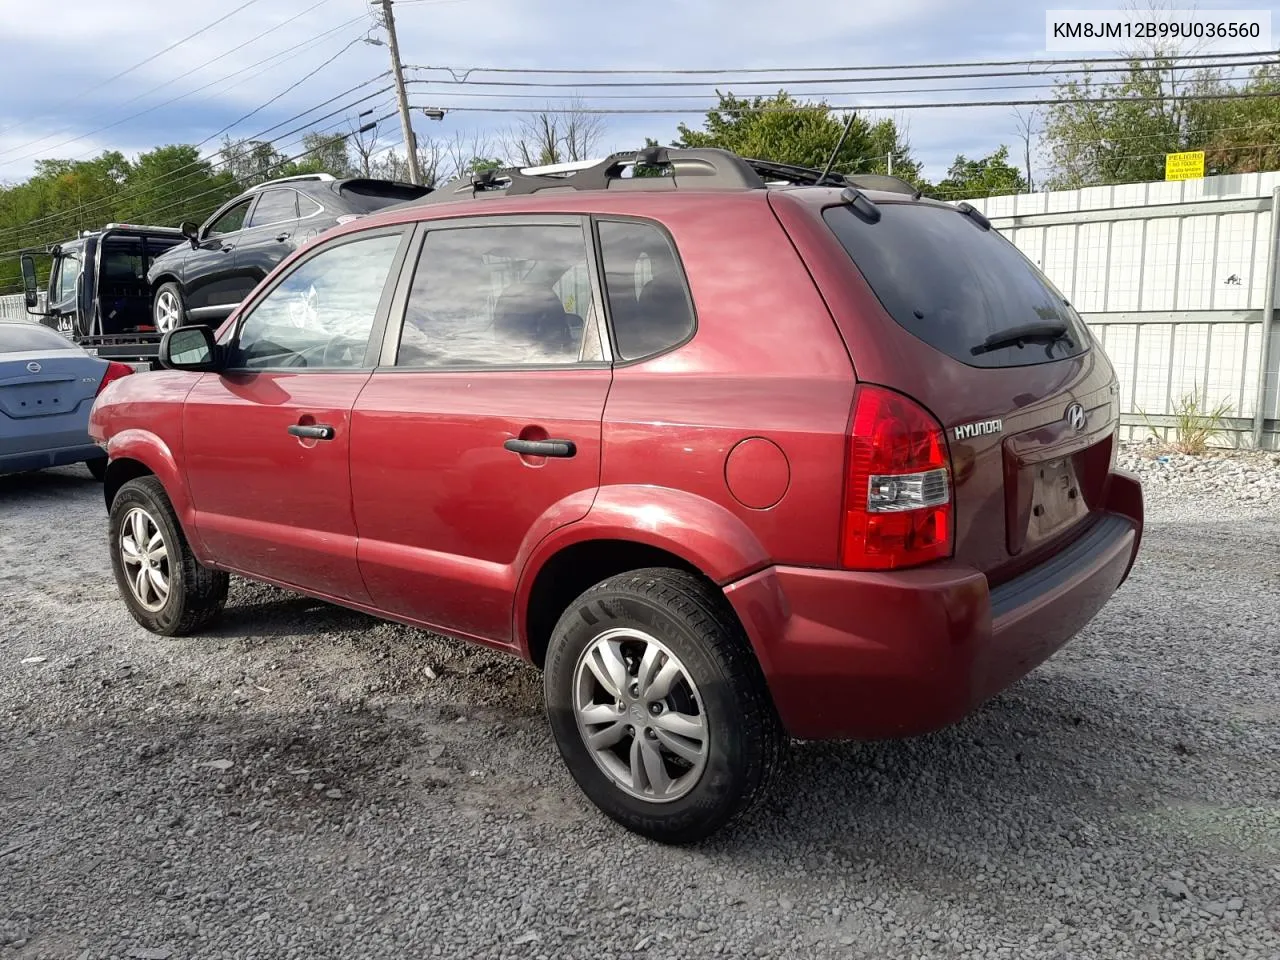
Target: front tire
{"type": "Point", "coordinates": [658, 706]}
{"type": "Point", "coordinates": [168, 310]}
{"type": "Point", "coordinates": [165, 588]}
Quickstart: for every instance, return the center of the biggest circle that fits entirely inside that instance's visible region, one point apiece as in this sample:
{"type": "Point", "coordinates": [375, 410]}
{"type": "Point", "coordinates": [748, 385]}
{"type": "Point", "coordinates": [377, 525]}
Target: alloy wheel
{"type": "Point", "coordinates": [640, 715]}
{"type": "Point", "coordinates": [168, 311]}
{"type": "Point", "coordinates": [146, 559]}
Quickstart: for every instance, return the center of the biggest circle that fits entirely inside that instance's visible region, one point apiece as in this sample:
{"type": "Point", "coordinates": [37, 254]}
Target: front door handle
{"type": "Point", "coordinates": [541, 448]}
{"type": "Point", "coordinates": [312, 431]}
{"type": "Point", "coordinates": [282, 237]}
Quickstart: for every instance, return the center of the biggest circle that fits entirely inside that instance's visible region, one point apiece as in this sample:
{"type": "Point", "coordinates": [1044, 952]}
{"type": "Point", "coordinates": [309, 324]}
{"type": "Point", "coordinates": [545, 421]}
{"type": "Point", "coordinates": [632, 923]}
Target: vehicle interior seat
{"type": "Point", "coordinates": [533, 314]}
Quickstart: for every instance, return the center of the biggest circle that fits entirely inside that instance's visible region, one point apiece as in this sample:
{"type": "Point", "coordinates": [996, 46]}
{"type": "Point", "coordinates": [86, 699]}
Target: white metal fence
{"type": "Point", "coordinates": [1175, 280]}
{"type": "Point", "coordinates": [14, 307]}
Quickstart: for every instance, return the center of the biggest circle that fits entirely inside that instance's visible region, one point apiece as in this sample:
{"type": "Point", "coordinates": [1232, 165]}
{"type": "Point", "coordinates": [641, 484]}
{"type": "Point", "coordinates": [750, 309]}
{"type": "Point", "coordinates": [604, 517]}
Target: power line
{"type": "Point", "coordinates": [670, 111]}
{"type": "Point", "coordinates": [568, 71]}
{"type": "Point", "coordinates": [175, 175]}
{"type": "Point", "coordinates": [805, 81]}
{"type": "Point", "coordinates": [142, 63]}
{"type": "Point", "coordinates": [165, 103]}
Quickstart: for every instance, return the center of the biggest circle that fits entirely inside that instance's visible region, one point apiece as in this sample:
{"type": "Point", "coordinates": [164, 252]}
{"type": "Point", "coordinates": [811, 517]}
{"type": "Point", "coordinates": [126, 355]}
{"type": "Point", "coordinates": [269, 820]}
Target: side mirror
{"type": "Point", "coordinates": [191, 231]}
{"type": "Point", "coordinates": [190, 348]}
{"type": "Point", "coordinates": [30, 293]}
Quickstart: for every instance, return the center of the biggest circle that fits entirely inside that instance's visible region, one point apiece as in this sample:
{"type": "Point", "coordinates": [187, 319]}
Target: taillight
{"type": "Point", "coordinates": [898, 488]}
{"type": "Point", "coordinates": [114, 372]}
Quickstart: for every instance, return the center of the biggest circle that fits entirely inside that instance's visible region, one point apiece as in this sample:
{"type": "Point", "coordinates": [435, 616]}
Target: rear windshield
{"type": "Point", "coordinates": [961, 289]}
{"type": "Point", "coordinates": [365, 196]}
{"type": "Point", "coordinates": [31, 337]}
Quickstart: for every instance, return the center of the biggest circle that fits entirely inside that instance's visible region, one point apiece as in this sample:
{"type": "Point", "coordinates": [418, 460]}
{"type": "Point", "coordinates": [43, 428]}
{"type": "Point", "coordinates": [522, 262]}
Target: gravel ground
{"type": "Point", "coordinates": [308, 782]}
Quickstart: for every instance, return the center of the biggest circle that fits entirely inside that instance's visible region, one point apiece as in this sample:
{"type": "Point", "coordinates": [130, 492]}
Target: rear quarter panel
{"type": "Point", "coordinates": [766, 368]}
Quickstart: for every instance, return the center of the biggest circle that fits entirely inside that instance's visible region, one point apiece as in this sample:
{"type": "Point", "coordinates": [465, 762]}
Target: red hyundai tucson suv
{"type": "Point", "coordinates": [734, 452]}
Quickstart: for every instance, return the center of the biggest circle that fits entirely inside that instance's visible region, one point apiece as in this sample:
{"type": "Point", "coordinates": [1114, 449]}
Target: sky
{"type": "Point", "coordinates": [65, 97]}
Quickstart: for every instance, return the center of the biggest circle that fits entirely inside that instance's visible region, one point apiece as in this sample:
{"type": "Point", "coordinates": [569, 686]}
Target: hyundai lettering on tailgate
{"type": "Point", "coordinates": [978, 429]}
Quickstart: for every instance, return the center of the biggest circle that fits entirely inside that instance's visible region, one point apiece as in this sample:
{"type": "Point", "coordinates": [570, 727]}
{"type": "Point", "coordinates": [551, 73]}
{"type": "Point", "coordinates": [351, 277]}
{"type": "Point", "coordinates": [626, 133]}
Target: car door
{"type": "Point", "coordinates": [480, 431]}
{"type": "Point", "coordinates": [267, 439]}
{"type": "Point", "coordinates": [268, 235]}
{"type": "Point", "coordinates": [64, 290]}
{"type": "Point", "coordinates": [209, 281]}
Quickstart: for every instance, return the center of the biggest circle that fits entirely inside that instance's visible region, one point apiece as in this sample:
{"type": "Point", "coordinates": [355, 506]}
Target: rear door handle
{"type": "Point", "coordinates": [312, 431]}
{"type": "Point", "coordinates": [282, 237]}
{"type": "Point", "coordinates": [541, 448]}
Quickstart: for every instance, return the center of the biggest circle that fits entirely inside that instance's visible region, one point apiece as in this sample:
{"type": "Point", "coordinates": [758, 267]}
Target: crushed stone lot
{"type": "Point", "coordinates": [303, 781]}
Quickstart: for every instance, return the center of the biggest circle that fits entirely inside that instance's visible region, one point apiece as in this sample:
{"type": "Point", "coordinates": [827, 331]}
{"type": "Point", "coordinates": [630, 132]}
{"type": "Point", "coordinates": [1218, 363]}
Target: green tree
{"type": "Point", "coordinates": [786, 130]}
{"type": "Point", "coordinates": [1091, 139]}
{"type": "Point", "coordinates": [991, 176]}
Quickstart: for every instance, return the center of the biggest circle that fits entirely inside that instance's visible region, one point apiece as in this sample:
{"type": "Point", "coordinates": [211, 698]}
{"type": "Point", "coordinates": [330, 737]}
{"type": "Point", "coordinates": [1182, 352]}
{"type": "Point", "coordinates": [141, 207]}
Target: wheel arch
{"type": "Point", "coordinates": [629, 528]}
{"type": "Point", "coordinates": [137, 453]}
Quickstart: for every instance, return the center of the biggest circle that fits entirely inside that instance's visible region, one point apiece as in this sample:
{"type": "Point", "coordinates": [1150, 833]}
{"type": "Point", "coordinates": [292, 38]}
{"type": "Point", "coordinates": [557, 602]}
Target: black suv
{"type": "Point", "coordinates": [203, 280]}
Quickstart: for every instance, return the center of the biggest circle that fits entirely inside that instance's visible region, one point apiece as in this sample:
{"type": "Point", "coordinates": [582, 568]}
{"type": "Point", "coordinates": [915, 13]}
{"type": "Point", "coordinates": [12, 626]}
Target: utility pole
{"type": "Point", "coordinates": [891, 163]}
{"type": "Point", "coordinates": [410, 141]}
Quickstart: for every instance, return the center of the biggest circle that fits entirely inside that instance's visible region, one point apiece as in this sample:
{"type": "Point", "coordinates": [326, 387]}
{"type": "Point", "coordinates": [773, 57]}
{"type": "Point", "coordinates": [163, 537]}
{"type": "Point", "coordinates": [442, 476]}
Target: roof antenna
{"type": "Point", "coordinates": [836, 152]}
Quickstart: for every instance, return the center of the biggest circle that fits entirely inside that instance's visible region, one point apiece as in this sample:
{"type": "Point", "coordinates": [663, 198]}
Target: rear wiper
{"type": "Point", "coordinates": [1017, 336]}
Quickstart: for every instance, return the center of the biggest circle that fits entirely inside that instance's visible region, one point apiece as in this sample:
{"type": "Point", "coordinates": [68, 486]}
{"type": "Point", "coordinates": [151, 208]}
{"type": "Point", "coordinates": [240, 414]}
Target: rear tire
{"type": "Point", "coordinates": [166, 590]}
{"type": "Point", "coordinates": [97, 468]}
{"type": "Point", "coordinates": [685, 740]}
{"type": "Point", "coordinates": [168, 309]}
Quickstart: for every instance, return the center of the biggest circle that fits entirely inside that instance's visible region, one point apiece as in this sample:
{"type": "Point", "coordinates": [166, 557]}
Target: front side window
{"type": "Point", "coordinates": [321, 314]}
{"type": "Point", "coordinates": [275, 206]}
{"type": "Point", "coordinates": [649, 301]}
{"type": "Point", "coordinates": [501, 296]}
{"type": "Point", "coordinates": [231, 221]}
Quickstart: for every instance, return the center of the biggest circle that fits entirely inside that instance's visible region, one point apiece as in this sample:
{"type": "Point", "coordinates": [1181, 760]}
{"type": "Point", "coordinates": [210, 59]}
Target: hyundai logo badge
{"type": "Point", "coordinates": [33, 367]}
{"type": "Point", "coordinates": [1076, 417]}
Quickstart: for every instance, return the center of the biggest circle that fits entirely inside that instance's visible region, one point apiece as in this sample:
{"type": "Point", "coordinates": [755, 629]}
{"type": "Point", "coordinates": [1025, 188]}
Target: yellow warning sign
{"type": "Point", "coordinates": [1184, 166]}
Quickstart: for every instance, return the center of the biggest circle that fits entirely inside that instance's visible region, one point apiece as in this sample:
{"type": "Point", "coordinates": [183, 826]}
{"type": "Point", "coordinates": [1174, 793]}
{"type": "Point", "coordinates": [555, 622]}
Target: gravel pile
{"type": "Point", "coordinates": [305, 782]}
{"type": "Point", "coordinates": [1246, 474]}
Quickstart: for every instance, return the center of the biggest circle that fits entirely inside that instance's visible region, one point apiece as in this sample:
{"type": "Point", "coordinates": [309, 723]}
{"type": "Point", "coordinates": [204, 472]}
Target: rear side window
{"type": "Point", "coordinates": [648, 298]}
{"type": "Point", "coordinates": [965, 291]}
{"type": "Point", "coordinates": [28, 337]}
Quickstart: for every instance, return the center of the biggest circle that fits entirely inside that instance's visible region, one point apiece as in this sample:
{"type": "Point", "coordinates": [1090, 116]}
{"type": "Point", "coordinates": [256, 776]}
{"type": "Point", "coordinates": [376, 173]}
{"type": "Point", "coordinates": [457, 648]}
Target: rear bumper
{"type": "Point", "coordinates": [852, 655]}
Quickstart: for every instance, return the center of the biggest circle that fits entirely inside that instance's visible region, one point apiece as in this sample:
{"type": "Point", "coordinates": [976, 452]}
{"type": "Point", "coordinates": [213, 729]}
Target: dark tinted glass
{"type": "Point", "coordinates": [957, 286]}
{"type": "Point", "coordinates": [648, 299]}
{"type": "Point", "coordinates": [275, 206]}
{"type": "Point", "coordinates": [27, 337]}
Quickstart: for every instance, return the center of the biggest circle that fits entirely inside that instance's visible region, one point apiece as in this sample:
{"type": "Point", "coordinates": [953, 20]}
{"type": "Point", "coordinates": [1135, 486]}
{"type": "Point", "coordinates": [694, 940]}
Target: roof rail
{"type": "Point", "coordinates": [656, 168]}
{"type": "Point", "coordinates": [294, 179]}
{"type": "Point", "coordinates": [699, 169]}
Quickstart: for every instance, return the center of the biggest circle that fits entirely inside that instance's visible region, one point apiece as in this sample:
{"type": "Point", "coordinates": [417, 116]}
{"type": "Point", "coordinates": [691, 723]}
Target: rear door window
{"type": "Point", "coordinates": [961, 289]}
{"type": "Point", "coordinates": [275, 206]}
{"type": "Point", "coordinates": [502, 296]}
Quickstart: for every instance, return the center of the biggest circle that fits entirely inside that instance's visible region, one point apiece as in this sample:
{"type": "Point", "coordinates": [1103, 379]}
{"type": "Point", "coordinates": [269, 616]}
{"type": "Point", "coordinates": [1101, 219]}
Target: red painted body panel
{"type": "Point", "coordinates": [426, 519]}
{"type": "Point", "coordinates": [267, 503]}
{"type": "Point", "coordinates": [443, 510]}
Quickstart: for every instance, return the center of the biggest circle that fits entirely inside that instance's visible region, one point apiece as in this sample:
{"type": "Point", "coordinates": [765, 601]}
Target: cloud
{"type": "Point", "coordinates": [58, 103]}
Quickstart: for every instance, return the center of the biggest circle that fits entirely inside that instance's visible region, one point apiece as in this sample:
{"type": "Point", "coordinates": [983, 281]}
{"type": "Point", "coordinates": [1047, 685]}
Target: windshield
{"type": "Point", "coordinates": [961, 289]}
{"type": "Point", "coordinates": [31, 337]}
